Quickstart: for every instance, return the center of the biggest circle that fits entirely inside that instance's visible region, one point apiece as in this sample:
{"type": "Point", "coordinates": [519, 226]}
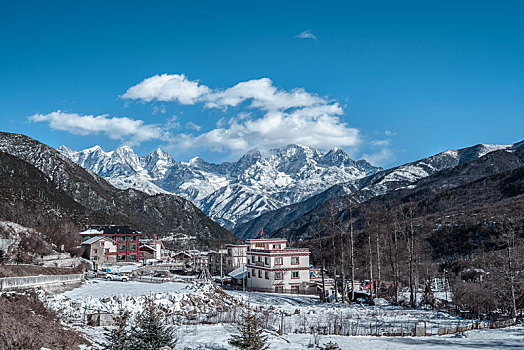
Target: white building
{"type": "Point", "coordinates": [228, 259]}
{"type": "Point", "coordinates": [273, 267]}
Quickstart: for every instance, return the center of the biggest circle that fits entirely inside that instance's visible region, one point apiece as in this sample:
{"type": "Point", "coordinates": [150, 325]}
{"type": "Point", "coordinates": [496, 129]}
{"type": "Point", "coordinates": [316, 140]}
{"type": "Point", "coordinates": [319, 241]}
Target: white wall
{"type": "Point", "coordinates": [27, 282]}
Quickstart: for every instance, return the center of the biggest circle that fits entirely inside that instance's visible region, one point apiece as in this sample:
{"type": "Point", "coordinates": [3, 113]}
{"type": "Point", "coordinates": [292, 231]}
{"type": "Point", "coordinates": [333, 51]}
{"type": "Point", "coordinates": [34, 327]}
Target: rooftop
{"type": "Point", "coordinates": [95, 239]}
{"type": "Point", "coordinates": [111, 229]}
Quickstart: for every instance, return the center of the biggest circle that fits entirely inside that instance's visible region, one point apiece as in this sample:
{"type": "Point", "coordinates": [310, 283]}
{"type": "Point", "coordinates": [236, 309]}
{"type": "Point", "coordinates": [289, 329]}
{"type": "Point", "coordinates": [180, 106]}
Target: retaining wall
{"type": "Point", "coordinates": [28, 282]}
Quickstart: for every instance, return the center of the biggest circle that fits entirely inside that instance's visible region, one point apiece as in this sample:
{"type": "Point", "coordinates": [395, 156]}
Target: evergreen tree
{"type": "Point", "coordinates": [150, 331]}
{"type": "Point", "coordinates": [331, 346]}
{"type": "Point", "coordinates": [251, 337]}
{"type": "Point", "coordinates": [117, 338]}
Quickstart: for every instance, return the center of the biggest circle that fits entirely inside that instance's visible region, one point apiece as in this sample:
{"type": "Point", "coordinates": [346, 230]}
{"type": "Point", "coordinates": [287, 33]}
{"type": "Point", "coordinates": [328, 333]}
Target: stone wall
{"type": "Point", "coordinates": [29, 282]}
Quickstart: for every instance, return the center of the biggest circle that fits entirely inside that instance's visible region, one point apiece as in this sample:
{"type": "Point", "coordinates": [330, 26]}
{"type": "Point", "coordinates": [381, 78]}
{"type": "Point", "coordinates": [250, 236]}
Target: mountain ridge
{"type": "Point", "coordinates": [164, 214]}
{"type": "Point", "coordinates": [229, 192]}
{"type": "Point", "coordinates": [370, 186]}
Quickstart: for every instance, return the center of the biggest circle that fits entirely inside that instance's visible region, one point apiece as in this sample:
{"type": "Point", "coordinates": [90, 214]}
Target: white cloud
{"type": "Point", "coordinates": [381, 142]}
{"type": "Point", "coordinates": [275, 129]}
{"type": "Point", "coordinates": [283, 117]}
{"type": "Point", "coordinates": [167, 87]}
{"type": "Point", "coordinates": [172, 123]}
{"type": "Point", "coordinates": [159, 109]}
{"type": "Point", "coordinates": [193, 126]}
{"type": "Point", "coordinates": [263, 95]}
{"type": "Point", "coordinates": [129, 130]}
{"type": "Point", "coordinates": [306, 34]}
{"type": "Point", "coordinates": [382, 158]}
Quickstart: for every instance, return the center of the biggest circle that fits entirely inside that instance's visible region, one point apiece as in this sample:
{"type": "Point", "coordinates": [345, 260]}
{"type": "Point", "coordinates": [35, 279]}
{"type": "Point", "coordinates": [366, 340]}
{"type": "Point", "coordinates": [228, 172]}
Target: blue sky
{"type": "Point", "coordinates": [389, 81]}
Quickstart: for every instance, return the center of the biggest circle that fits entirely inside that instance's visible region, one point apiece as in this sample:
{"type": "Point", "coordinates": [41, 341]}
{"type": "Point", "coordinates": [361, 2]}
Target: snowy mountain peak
{"type": "Point", "coordinates": [230, 192]}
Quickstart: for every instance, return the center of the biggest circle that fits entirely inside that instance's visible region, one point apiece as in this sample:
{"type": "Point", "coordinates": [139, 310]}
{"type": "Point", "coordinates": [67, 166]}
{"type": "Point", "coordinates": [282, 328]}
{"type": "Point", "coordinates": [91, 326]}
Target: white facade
{"type": "Point", "coordinates": [273, 267]}
{"type": "Point", "coordinates": [228, 259]}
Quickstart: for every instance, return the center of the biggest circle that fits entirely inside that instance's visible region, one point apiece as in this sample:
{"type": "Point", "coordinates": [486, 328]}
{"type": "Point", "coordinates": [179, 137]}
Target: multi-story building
{"type": "Point", "coordinates": [227, 259]}
{"type": "Point", "coordinates": [273, 267]}
{"type": "Point", "coordinates": [100, 250]}
{"type": "Point", "coordinates": [127, 240]}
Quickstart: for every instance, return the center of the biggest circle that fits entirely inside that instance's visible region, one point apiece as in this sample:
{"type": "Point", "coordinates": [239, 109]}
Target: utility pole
{"type": "Point", "coordinates": [221, 270]}
{"type": "Point", "coordinates": [243, 277]}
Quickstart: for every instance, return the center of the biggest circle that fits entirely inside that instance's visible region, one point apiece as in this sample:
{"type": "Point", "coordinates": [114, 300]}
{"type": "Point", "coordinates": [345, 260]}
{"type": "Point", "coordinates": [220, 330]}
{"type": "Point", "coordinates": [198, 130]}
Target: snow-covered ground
{"type": "Point", "coordinates": [297, 316]}
{"type": "Point", "coordinates": [216, 337]}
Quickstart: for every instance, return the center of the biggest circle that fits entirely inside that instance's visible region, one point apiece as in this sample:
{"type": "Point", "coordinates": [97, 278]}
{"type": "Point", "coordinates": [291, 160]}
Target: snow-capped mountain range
{"type": "Point", "coordinates": [362, 189]}
{"type": "Point", "coordinates": [230, 192]}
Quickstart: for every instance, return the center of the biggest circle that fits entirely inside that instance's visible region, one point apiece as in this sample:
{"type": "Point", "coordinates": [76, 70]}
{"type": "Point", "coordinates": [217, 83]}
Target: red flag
{"type": "Point", "coordinates": [261, 232]}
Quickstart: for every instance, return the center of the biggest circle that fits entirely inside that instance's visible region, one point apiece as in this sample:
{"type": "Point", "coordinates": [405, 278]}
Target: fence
{"type": "Point", "coordinates": [151, 279]}
{"type": "Point", "coordinates": [28, 282]}
{"type": "Point", "coordinates": [310, 291]}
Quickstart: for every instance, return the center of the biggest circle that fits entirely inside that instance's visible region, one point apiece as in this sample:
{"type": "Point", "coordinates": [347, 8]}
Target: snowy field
{"type": "Point", "coordinates": [297, 317]}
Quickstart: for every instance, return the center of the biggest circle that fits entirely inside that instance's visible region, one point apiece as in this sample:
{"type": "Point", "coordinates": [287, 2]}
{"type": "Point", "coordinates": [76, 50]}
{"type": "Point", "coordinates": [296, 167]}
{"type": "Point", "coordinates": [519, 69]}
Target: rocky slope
{"type": "Point", "coordinates": [480, 182]}
{"type": "Point", "coordinates": [382, 182]}
{"type": "Point", "coordinates": [233, 192]}
{"type": "Point", "coordinates": [40, 187]}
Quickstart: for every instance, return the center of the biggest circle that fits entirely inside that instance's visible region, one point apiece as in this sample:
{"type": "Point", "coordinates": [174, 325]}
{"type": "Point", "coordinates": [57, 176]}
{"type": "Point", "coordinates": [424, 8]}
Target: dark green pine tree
{"type": "Point", "coordinates": [331, 346]}
{"type": "Point", "coordinates": [150, 331]}
{"type": "Point", "coordinates": [117, 338]}
{"type": "Point", "coordinates": [251, 337]}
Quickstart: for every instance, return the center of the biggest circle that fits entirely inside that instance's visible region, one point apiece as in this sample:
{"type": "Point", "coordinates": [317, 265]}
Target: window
{"type": "Point", "coordinates": [266, 261]}
{"type": "Point", "coordinates": [248, 274]}
{"type": "Point", "coordinates": [121, 247]}
{"type": "Point", "coordinates": [259, 273]}
{"type": "Point", "coordinates": [253, 259]}
{"type": "Point", "coordinates": [294, 274]}
{"type": "Point", "coordinates": [95, 258]}
{"type": "Point", "coordinates": [121, 238]}
{"type": "Point", "coordinates": [95, 251]}
{"type": "Point", "coordinates": [107, 250]}
{"type": "Point", "coordinates": [279, 275]}
{"type": "Point", "coordinates": [260, 245]}
{"type": "Point", "coordinates": [132, 247]}
{"type": "Point", "coordinates": [121, 257]}
{"type": "Point", "coordinates": [267, 275]}
{"type": "Point", "coordinates": [294, 290]}
{"type": "Point", "coordinates": [278, 261]}
{"type": "Point", "coordinates": [260, 258]}
{"type": "Point", "coordinates": [133, 238]}
{"type": "Point", "coordinates": [276, 246]}
{"type": "Point", "coordinates": [279, 289]}
{"type": "Point", "coordinates": [132, 257]}
{"type": "Point", "coordinates": [254, 273]}
{"type": "Point", "coordinates": [294, 260]}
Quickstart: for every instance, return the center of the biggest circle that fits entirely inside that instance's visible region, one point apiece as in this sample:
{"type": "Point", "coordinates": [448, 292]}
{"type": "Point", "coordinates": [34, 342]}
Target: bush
{"type": "Point", "coordinates": [251, 337]}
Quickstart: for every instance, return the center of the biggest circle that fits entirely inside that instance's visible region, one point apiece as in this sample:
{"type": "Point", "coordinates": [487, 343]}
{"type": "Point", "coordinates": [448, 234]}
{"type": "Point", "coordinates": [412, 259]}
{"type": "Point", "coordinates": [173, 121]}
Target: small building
{"type": "Point", "coordinates": [183, 259]}
{"type": "Point", "coordinates": [147, 252]}
{"type": "Point", "coordinates": [100, 250]}
{"type": "Point", "coordinates": [104, 319]}
{"type": "Point", "coordinates": [151, 249]}
{"type": "Point", "coordinates": [273, 267]}
{"type": "Point", "coordinates": [228, 259]}
{"type": "Point", "coordinates": [127, 240]}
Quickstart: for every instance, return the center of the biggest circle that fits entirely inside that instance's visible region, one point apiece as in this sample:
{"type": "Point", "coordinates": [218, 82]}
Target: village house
{"type": "Point", "coordinates": [100, 250]}
{"type": "Point", "coordinates": [127, 240]}
{"type": "Point", "coordinates": [273, 267]}
{"type": "Point", "coordinates": [227, 259]}
{"type": "Point", "coordinates": [151, 249]}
